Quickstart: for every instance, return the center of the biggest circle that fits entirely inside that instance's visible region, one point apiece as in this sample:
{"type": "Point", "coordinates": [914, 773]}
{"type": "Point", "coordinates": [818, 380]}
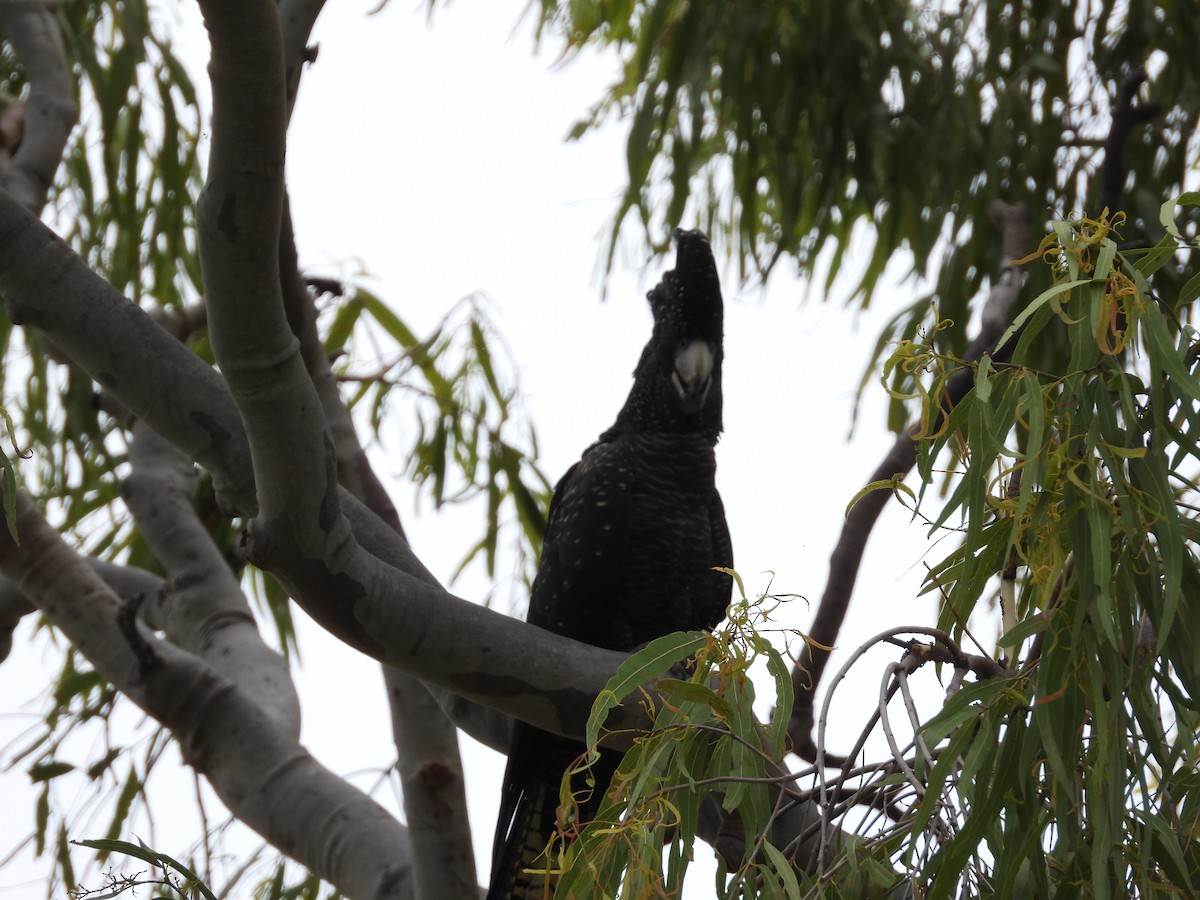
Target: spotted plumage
{"type": "Point", "coordinates": [635, 528]}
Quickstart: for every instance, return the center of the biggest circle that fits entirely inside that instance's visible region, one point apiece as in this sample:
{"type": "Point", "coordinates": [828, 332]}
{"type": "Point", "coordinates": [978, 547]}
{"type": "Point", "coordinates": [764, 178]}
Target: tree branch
{"type": "Point", "coordinates": [301, 533]}
{"type": "Point", "coordinates": [296, 19]}
{"type": "Point", "coordinates": [49, 287]}
{"type": "Point", "coordinates": [46, 285]}
{"type": "Point", "coordinates": [126, 582]}
{"type": "Point", "coordinates": [1127, 114]}
{"type": "Point", "coordinates": [50, 112]}
{"type": "Point", "coordinates": [205, 611]}
{"type": "Point", "coordinates": [260, 772]}
{"type": "Point", "coordinates": [846, 559]}
{"type": "Point", "coordinates": [435, 799]}
{"type": "Point", "coordinates": [426, 742]}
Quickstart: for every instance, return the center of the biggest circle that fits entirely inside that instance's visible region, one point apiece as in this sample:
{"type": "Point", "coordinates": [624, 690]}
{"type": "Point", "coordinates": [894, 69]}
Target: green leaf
{"type": "Point", "coordinates": [965, 706]}
{"type": "Point", "coordinates": [46, 771]}
{"type": "Point", "coordinates": [647, 664]}
{"type": "Point", "coordinates": [780, 671]}
{"type": "Point", "coordinates": [1164, 354]}
{"type": "Point", "coordinates": [1037, 303]}
{"type": "Point", "coordinates": [343, 323]}
{"type": "Point", "coordinates": [691, 692]}
{"type": "Point", "coordinates": [1166, 212]}
{"type": "Point", "coordinates": [896, 485]}
{"type": "Point", "coordinates": [1158, 256]}
{"type": "Point", "coordinates": [129, 792]}
{"type": "Point", "coordinates": [1024, 630]}
{"type": "Point", "coordinates": [783, 871]}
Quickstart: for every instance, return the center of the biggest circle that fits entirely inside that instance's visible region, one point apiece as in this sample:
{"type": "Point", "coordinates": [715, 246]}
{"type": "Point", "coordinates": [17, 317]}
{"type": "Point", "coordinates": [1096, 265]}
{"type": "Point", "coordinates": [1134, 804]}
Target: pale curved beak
{"type": "Point", "coordinates": [692, 377]}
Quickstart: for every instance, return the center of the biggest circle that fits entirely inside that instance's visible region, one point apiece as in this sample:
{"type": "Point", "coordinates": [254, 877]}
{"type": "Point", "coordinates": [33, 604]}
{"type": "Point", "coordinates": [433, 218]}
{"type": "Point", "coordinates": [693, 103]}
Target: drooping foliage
{"type": "Point", "coordinates": [1064, 754]}
{"type": "Point", "coordinates": [124, 201]}
{"type": "Point", "coordinates": [1067, 755]}
{"type": "Point", "coordinates": [1076, 489]}
{"type": "Point", "coordinates": [846, 138]}
{"type": "Point", "coordinates": [806, 131]}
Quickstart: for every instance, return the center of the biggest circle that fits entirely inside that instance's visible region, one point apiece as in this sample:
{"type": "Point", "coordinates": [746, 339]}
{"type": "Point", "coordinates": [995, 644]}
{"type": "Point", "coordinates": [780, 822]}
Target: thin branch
{"type": "Point", "coordinates": [946, 649]}
{"type": "Point", "coordinates": [180, 321]}
{"type": "Point", "coordinates": [844, 563]}
{"type": "Point", "coordinates": [296, 19]}
{"type": "Point", "coordinates": [1126, 116]}
{"type": "Point", "coordinates": [890, 675]}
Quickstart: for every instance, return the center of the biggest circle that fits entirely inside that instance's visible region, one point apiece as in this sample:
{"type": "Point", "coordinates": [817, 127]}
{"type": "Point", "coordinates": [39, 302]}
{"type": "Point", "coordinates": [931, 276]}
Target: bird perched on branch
{"type": "Point", "coordinates": [635, 529]}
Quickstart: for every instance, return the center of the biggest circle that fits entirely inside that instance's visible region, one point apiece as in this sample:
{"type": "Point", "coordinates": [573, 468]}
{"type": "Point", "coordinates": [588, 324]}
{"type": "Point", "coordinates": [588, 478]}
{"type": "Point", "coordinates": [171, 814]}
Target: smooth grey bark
{"type": "Point", "coordinates": [45, 285]}
{"type": "Point", "coordinates": [392, 614]}
{"type": "Point", "coordinates": [50, 112]}
{"type": "Point", "coordinates": [258, 770]}
{"type": "Point", "coordinates": [204, 611]}
{"type": "Point", "coordinates": [128, 583]}
{"type": "Point", "coordinates": [431, 778]}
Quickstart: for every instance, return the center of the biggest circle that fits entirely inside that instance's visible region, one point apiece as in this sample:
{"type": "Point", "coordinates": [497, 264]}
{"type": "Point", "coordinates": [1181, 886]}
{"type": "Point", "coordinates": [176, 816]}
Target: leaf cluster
{"type": "Point", "coordinates": [1075, 493]}
{"type": "Point", "coordinates": [464, 435]}
{"type": "Point", "coordinates": [848, 137]}
{"type": "Point", "coordinates": [705, 743]}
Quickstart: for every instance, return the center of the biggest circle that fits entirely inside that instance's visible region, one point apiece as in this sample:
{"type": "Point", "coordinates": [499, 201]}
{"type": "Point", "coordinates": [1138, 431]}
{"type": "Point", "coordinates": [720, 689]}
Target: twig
{"type": "Point", "coordinates": [890, 676]}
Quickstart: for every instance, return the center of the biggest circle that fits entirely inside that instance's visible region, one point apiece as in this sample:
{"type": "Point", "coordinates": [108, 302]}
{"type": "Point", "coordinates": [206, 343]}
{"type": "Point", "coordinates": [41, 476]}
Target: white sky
{"type": "Point", "coordinates": [435, 156]}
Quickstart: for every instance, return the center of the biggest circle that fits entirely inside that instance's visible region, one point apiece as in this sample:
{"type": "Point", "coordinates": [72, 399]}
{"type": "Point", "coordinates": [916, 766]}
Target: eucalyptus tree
{"type": "Point", "coordinates": [178, 415]}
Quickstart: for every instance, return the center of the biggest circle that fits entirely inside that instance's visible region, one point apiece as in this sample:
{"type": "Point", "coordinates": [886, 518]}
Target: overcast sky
{"type": "Point", "coordinates": [433, 157]}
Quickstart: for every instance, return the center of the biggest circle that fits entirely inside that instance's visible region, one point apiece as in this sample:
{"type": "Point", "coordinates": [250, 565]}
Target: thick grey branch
{"type": "Point", "coordinates": [48, 286]}
{"type": "Point", "coordinates": [259, 771]}
{"type": "Point", "coordinates": [127, 582]}
{"type": "Point", "coordinates": [301, 533]}
{"type": "Point", "coordinates": [50, 112]}
{"type": "Point", "coordinates": [45, 285]}
{"type": "Point", "coordinates": [487, 725]}
{"type": "Point", "coordinates": [238, 221]}
{"type": "Point", "coordinates": [205, 611]}
{"type": "Point", "coordinates": [394, 616]}
{"type": "Point", "coordinates": [435, 802]}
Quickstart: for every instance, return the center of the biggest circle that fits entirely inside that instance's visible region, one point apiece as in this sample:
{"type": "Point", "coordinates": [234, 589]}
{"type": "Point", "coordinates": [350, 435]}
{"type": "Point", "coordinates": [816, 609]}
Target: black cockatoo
{"type": "Point", "coordinates": [635, 529]}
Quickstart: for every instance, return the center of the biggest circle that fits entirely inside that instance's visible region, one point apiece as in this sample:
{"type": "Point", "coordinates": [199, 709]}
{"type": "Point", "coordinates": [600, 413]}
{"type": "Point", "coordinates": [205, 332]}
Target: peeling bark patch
{"type": "Point", "coordinates": [571, 706]}
{"type": "Point", "coordinates": [490, 684]}
{"type": "Point", "coordinates": [227, 217]}
{"type": "Point", "coordinates": [434, 776]}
